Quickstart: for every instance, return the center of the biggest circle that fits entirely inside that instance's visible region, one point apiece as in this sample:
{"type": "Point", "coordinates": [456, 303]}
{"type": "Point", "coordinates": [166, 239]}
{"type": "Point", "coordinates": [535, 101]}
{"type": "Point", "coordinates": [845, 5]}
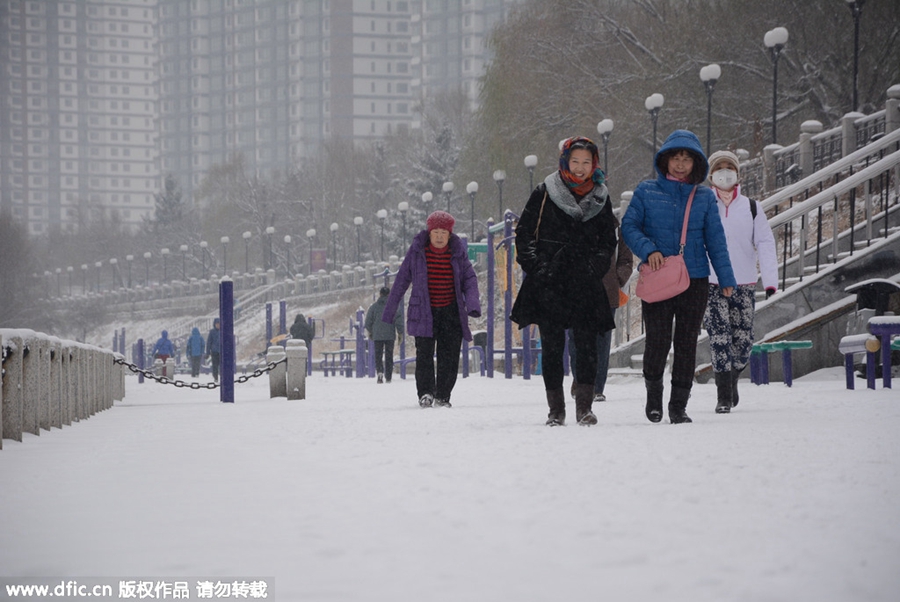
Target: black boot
{"type": "Point", "coordinates": [677, 404]}
{"type": "Point", "coordinates": [556, 399]}
{"type": "Point", "coordinates": [724, 389]}
{"type": "Point", "coordinates": [654, 399]}
{"type": "Point", "coordinates": [735, 377]}
{"type": "Point", "coordinates": [584, 398]}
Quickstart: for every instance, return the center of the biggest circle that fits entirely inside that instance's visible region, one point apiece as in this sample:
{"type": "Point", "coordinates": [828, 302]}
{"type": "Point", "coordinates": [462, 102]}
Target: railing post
{"type": "Point", "coordinates": [226, 325]}
{"type": "Point", "coordinates": [30, 386]}
{"type": "Point", "coordinates": [278, 374]}
{"type": "Point", "coordinates": [12, 383]}
{"type": "Point", "coordinates": [296, 368]}
{"type": "Point", "coordinates": [491, 289]}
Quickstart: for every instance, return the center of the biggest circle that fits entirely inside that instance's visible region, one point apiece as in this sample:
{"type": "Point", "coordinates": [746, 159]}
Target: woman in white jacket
{"type": "Point", "coordinates": [729, 320]}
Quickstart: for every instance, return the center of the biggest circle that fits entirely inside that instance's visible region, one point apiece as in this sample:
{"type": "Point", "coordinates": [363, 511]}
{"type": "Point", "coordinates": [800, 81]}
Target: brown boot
{"type": "Point", "coordinates": [584, 399]}
{"type": "Point", "coordinates": [556, 400]}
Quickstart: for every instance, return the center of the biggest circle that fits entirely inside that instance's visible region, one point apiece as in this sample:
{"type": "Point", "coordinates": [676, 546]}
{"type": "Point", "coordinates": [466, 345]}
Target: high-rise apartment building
{"type": "Point", "coordinates": [100, 100]}
{"type": "Point", "coordinates": [77, 110]}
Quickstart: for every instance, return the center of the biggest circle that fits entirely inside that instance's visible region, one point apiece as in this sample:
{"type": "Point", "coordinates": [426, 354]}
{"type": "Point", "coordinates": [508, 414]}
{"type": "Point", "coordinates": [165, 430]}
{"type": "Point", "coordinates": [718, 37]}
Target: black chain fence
{"type": "Point", "coordinates": [182, 384]}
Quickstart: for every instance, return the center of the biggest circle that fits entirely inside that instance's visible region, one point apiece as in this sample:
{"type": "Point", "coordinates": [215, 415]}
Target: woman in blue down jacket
{"type": "Point", "coordinates": [444, 293]}
{"type": "Point", "coordinates": [194, 351]}
{"type": "Point", "coordinates": [652, 229]}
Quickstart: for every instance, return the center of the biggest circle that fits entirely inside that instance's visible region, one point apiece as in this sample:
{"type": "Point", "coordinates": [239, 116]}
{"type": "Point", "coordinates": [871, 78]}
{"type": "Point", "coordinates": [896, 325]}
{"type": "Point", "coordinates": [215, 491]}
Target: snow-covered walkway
{"type": "Point", "coordinates": [356, 494]}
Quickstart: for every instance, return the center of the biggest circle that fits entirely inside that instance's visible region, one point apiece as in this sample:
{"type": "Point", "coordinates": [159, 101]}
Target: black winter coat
{"type": "Point", "coordinates": [565, 263]}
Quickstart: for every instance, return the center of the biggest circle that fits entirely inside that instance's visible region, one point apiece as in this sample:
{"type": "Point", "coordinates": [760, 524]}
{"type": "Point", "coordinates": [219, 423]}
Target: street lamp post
{"type": "Point", "coordinates": [270, 234]}
{"type": "Point", "coordinates": [70, 269]}
{"type": "Point", "coordinates": [129, 259]}
{"type": "Point", "coordinates": [358, 222]}
{"type": "Point", "coordinates": [381, 214]}
{"type": "Point", "coordinates": [183, 249]}
{"type": "Point", "coordinates": [653, 104]}
{"type": "Point", "coordinates": [334, 228]}
{"type": "Point", "coordinates": [84, 270]}
{"type": "Point", "coordinates": [113, 264]}
{"type": "Point", "coordinates": [224, 240]}
{"type": "Point", "coordinates": [530, 164]}
{"type": "Point", "coordinates": [709, 75]}
{"type": "Point", "coordinates": [472, 188]}
{"type": "Point", "coordinates": [775, 39]}
{"type": "Point", "coordinates": [147, 257]}
{"type": "Point", "coordinates": [426, 204]}
{"type": "Point", "coordinates": [287, 248]}
{"type": "Point", "coordinates": [855, 7]}
{"type": "Point", "coordinates": [165, 255]}
{"type": "Point", "coordinates": [403, 207]}
{"type": "Point", "coordinates": [59, 282]}
{"type": "Point", "coordinates": [98, 265]}
{"type": "Point", "coordinates": [246, 235]}
{"type": "Point", "coordinates": [203, 247]}
{"type": "Point", "coordinates": [311, 235]}
{"type": "Point", "coordinates": [605, 128]}
{"type": "Point", "coordinates": [499, 176]}
{"type": "Point", "coordinates": [448, 190]}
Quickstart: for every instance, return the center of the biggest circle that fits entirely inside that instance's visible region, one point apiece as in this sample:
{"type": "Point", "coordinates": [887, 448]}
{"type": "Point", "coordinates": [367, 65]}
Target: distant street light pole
{"type": "Point", "coordinates": [287, 247]}
{"type": "Point", "coordinates": [381, 214]}
{"type": "Point", "coordinates": [203, 246]}
{"type": "Point", "coordinates": [775, 39]}
{"type": "Point", "coordinates": [448, 190]}
{"type": "Point", "coordinates": [334, 228]}
{"type": "Point", "coordinates": [709, 75]}
{"type": "Point", "coordinates": [358, 222]}
{"type": "Point", "coordinates": [165, 255]}
{"type": "Point", "coordinates": [855, 7]}
{"type": "Point", "coordinates": [70, 269]}
{"type": "Point", "coordinates": [113, 264]}
{"type": "Point", "coordinates": [270, 238]}
{"type": "Point", "coordinates": [98, 265]}
{"type": "Point", "coordinates": [653, 104]}
{"type": "Point", "coordinates": [129, 259]}
{"type": "Point", "coordinates": [499, 176]}
{"type": "Point", "coordinates": [224, 240]}
{"type": "Point", "coordinates": [472, 188]}
{"type": "Point", "coordinates": [59, 282]}
{"type": "Point", "coordinates": [147, 257]}
{"type": "Point", "coordinates": [184, 250]}
{"type": "Point", "coordinates": [246, 235]}
{"type": "Point", "coordinates": [426, 204]}
{"type": "Point", "coordinates": [84, 269]}
{"type": "Point", "coordinates": [605, 128]}
{"type": "Point", "coordinates": [311, 235]}
{"type": "Point", "coordinates": [403, 207]}
{"type": "Point", "coordinates": [530, 164]}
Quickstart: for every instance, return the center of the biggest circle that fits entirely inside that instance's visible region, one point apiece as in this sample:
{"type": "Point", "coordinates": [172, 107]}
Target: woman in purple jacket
{"type": "Point", "coordinates": [444, 293]}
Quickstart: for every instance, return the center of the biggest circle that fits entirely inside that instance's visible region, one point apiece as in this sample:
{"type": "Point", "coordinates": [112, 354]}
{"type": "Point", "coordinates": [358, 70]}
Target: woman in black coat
{"type": "Point", "coordinates": [564, 241]}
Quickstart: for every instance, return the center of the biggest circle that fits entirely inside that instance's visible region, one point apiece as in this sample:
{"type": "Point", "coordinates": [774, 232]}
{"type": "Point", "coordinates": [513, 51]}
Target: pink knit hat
{"type": "Point", "coordinates": [440, 220]}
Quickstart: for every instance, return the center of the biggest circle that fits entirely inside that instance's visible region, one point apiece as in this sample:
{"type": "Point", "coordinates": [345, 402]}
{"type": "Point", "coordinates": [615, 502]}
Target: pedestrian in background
{"type": "Point", "coordinates": [301, 330]}
{"type": "Point", "coordinates": [564, 242]}
{"type": "Point", "coordinates": [194, 351]}
{"type": "Point", "coordinates": [163, 349]}
{"type": "Point", "coordinates": [444, 295]}
{"type": "Point", "coordinates": [652, 227]}
{"type": "Point", "coordinates": [383, 335]}
{"type": "Point", "coordinates": [729, 320]}
{"type": "Point", "coordinates": [214, 348]}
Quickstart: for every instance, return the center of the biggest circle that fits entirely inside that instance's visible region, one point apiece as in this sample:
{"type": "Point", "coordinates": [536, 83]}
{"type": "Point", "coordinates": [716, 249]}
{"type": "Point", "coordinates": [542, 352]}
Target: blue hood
{"type": "Point", "coordinates": [682, 139]}
{"type": "Point", "coordinates": [165, 334]}
{"type": "Point", "coordinates": [195, 330]}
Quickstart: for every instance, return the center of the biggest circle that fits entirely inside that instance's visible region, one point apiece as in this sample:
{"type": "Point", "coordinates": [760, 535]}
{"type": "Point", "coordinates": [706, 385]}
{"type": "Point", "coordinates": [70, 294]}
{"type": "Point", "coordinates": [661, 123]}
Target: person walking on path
{"type": "Point", "coordinates": [729, 320]}
{"type": "Point", "coordinates": [301, 329]}
{"type": "Point", "coordinates": [163, 349]}
{"type": "Point", "coordinates": [383, 335]}
{"type": "Point", "coordinates": [565, 239]}
{"type": "Point", "coordinates": [444, 295]}
{"type": "Point", "coordinates": [652, 227]}
{"type": "Point", "coordinates": [214, 348]}
{"type": "Point", "coordinates": [194, 351]}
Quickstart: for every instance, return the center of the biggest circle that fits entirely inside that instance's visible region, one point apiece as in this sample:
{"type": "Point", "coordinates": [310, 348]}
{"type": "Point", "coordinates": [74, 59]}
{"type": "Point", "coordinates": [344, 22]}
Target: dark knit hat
{"type": "Point", "coordinates": [440, 220]}
{"type": "Point", "coordinates": [384, 291]}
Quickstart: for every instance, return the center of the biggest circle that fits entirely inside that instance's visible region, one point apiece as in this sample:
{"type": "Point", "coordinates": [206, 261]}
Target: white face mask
{"type": "Point", "coordinates": [724, 179]}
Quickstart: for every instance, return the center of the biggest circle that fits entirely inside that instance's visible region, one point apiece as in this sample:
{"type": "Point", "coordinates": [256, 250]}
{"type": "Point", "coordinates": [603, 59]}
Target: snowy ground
{"type": "Point", "coordinates": [357, 494]}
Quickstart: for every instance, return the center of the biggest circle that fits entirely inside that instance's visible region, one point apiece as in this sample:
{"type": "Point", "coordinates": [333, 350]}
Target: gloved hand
{"type": "Point", "coordinates": [770, 291]}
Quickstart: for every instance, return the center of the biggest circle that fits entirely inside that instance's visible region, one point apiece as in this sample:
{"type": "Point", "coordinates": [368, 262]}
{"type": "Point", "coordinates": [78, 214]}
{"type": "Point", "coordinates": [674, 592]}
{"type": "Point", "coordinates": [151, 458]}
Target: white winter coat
{"type": "Point", "coordinates": [749, 241]}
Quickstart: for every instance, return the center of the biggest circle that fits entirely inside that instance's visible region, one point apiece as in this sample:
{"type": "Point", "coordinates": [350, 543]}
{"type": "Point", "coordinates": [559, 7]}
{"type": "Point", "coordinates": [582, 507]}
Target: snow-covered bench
{"type": "Point", "coordinates": [759, 360]}
{"type": "Point", "coordinates": [885, 327]}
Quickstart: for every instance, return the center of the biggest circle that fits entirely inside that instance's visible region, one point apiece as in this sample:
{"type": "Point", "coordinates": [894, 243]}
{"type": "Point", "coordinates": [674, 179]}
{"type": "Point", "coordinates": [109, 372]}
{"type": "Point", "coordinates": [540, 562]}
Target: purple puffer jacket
{"type": "Point", "coordinates": [414, 271]}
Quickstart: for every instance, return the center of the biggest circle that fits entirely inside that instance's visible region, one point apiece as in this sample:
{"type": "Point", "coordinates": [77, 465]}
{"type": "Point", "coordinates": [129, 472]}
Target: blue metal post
{"type": "Point", "coordinates": [139, 360]}
{"type": "Point", "coordinates": [226, 312]}
{"type": "Point", "coordinates": [282, 320]}
{"type": "Point", "coordinates": [507, 295]}
{"type": "Point", "coordinates": [268, 324]}
{"type": "Point", "coordinates": [360, 343]}
{"type": "Point", "coordinates": [491, 285]}
{"type": "Point", "coordinates": [122, 342]}
{"type": "Point", "coordinates": [309, 353]}
{"type": "Point", "coordinates": [526, 353]}
{"type": "Point", "coordinates": [116, 343]}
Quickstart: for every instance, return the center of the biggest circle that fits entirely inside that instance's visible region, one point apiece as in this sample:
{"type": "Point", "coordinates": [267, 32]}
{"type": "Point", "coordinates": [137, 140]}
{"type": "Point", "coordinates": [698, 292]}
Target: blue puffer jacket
{"type": "Point", "coordinates": [655, 216]}
{"type": "Point", "coordinates": [195, 344]}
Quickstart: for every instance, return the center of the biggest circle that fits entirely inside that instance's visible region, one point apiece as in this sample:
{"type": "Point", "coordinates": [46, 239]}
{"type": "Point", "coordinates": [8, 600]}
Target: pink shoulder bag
{"type": "Point", "coordinates": [672, 278]}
